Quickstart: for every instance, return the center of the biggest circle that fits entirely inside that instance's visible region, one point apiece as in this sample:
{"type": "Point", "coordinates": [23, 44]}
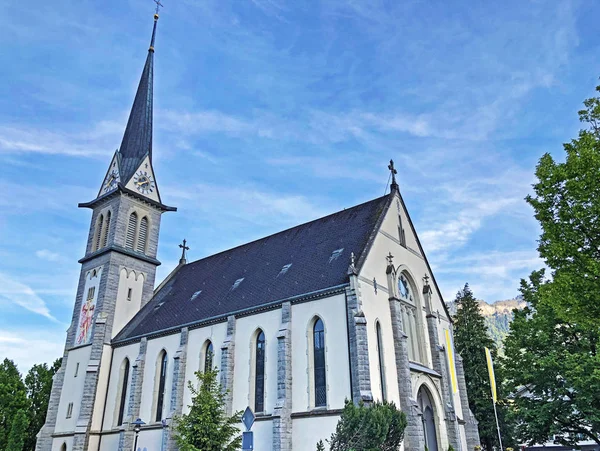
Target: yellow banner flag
{"type": "Point", "coordinates": [490, 365]}
{"type": "Point", "coordinates": [450, 354]}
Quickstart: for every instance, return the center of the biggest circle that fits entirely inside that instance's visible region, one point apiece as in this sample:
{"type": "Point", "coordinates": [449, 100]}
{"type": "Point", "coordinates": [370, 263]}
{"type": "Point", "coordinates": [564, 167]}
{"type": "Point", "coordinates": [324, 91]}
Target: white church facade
{"type": "Point", "coordinates": [342, 307]}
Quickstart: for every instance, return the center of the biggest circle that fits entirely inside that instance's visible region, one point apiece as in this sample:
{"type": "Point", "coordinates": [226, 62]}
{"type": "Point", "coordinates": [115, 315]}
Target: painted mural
{"type": "Point", "coordinates": [86, 316]}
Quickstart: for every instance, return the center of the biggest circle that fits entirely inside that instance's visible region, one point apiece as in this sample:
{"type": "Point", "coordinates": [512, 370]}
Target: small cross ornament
{"type": "Point", "coordinates": [158, 5]}
{"type": "Point", "coordinates": [393, 171]}
{"type": "Point", "coordinates": [183, 249]}
{"type": "Point", "coordinates": [390, 258]}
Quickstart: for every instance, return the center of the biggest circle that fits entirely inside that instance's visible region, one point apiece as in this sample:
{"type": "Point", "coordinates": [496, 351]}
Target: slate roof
{"type": "Point", "coordinates": [252, 275]}
{"type": "Point", "coordinates": [137, 140]}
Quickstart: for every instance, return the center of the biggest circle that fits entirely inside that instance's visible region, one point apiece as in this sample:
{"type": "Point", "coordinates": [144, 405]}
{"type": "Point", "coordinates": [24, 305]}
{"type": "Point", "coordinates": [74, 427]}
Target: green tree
{"type": "Point", "coordinates": [18, 432]}
{"type": "Point", "coordinates": [379, 426]}
{"type": "Point", "coordinates": [554, 369]}
{"type": "Point", "coordinates": [13, 397]}
{"type": "Point", "coordinates": [38, 382]}
{"type": "Point", "coordinates": [471, 338]}
{"type": "Point", "coordinates": [552, 348]}
{"type": "Point", "coordinates": [207, 427]}
{"type": "Point", "coordinates": [320, 446]}
{"type": "Point", "coordinates": [567, 206]}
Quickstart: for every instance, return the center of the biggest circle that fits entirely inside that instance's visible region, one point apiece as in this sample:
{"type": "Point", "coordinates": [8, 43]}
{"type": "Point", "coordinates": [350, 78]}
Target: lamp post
{"type": "Point", "coordinates": [137, 426]}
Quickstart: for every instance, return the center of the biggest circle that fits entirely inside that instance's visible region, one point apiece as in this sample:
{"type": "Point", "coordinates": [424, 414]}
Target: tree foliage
{"type": "Point", "coordinates": [207, 427]}
{"type": "Point", "coordinates": [13, 398]}
{"type": "Point", "coordinates": [554, 368]}
{"type": "Point", "coordinates": [18, 432]}
{"type": "Point", "coordinates": [552, 348]}
{"type": "Point", "coordinates": [471, 338]}
{"type": "Point", "coordinates": [38, 383]}
{"type": "Point", "coordinates": [379, 426]}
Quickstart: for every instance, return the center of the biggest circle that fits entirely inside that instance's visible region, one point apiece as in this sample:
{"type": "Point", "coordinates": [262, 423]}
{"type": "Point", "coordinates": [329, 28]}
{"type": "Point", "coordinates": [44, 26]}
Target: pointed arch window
{"type": "Point", "coordinates": [63, 447]}
{"type": "Point", "coordinates": [381, 361]}
{"type": "Point", "coordinates": [99, 232]}
{"type": "Point", "coordinates": [412, 319]}
{"type": "Point", "coordinates": [161, 388]}
{"type": "Point", "coordinates": [259, 374]}
{"type": "Point", "coordinates": [123, 394]}
{"type": "Point", "coordinates": [131, 228]}
{"type": "Point", "coordinates": [142, 235]}
{"type": "Point", "coordinates": [208, 356]}
{"type": "Point", "coordinates": [319, 364]}
{"type": "Point", "coordinates": [106, 229]}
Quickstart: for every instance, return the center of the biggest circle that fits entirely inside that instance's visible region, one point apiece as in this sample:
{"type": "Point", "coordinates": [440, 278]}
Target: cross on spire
{"type": "Point", "coordinates": [182, 260]}
{"type": "Point", "coordinates": [158, 5]}
{"type": "Point", "coordinates": [394, 185]}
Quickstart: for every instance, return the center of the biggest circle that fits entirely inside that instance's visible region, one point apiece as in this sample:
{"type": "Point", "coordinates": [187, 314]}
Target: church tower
{"type": "Point", "coordinates": [116, 280]}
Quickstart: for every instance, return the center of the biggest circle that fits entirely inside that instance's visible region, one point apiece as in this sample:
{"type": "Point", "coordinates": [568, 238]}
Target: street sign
{"type": "Point", "coordinates": [248, 418]}
{"type": "Point", "coordinates": [247, 441]}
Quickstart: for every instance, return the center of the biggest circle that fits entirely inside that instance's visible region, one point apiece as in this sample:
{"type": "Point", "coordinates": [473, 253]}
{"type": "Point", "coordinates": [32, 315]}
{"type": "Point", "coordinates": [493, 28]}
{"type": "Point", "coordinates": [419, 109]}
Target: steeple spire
{"type": "Point", "coordinates": [137, 140]}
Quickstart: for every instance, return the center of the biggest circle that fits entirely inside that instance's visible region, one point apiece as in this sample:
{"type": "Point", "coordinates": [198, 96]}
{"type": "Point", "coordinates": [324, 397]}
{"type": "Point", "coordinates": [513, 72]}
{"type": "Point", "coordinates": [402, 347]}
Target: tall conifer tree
{"type": "Point", "coordinates": [471, 338]}
{"type": "Point", "coordinates": [13, 398]}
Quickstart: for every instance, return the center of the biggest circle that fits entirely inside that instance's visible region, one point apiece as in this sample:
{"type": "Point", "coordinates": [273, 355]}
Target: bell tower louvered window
{"type": "Point", "coordinates": [106, 230]}
{"type": "Point", "coordinates": [142, 235]}
{"type": "Point", "coordinates": [99, 232]}
{"type": "Point", "coordinates": [131, 226]}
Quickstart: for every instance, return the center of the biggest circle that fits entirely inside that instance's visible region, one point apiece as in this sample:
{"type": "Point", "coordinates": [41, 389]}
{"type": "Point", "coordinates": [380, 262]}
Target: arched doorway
{"type": "Point", "coordinates": [429, 427]}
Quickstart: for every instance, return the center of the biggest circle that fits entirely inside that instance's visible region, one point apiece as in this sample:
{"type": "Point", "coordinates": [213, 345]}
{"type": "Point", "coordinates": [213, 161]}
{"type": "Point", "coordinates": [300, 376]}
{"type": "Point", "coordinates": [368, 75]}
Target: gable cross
{"type": "Point", "coordinates": [183, 249]}
{"type": "Point", "coordinates": [394, 172]}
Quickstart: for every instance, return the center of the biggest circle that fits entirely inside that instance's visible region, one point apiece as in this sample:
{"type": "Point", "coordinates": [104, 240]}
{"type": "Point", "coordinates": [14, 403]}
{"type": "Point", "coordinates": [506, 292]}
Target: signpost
{"type": "Point", "coordinates": [248, 436]}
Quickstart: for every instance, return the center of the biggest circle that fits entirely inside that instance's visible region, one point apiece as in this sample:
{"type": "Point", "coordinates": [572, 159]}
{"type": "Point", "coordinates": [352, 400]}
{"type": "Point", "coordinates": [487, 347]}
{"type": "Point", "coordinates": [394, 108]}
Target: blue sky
{"type": "Point", "coordinates": [269, 113]}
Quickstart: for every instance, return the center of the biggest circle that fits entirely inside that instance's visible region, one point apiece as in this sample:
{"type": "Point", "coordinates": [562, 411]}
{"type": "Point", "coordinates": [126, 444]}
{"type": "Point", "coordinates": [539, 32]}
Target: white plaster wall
{"type": "Point", "coordinates": [110, 442]}
{"type": "Point", "coordinates": [263, 435]}
{"type": "Point", "coordinates": [308, 431]}
{"type": "Point", "coordinates": [245, 329]}
{"type": "Point", "coordinates": [332, 311]}
{"type": "Point", "coordinates": [104, 372]}
{"type": "Point", "coordinates": [170, 343]}
{"type": "Point", "coordinates": [196, 339]}
{"type": "Point", "coordinates": [58, 442]}
{"type": "Point", "coordinates": [72, 388]}
{"type": "Point", "coordinates": [112, 401]}
{"type": "Point", "coordinates": [150, 439]}
{"type": "Point", "coordinates": [124, 309]}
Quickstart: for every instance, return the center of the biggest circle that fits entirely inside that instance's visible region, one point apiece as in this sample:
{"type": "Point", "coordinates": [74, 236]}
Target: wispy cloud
{"type": "Point", "coordinates": [28, 347]}
{"type": "Point", "coordinates": [22, 295]}
{"type": "Point", "coordinates": [48, 255]}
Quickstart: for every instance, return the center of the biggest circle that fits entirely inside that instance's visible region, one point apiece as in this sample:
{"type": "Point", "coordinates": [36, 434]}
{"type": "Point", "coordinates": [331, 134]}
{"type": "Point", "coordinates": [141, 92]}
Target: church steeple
{"type": "Point", "coordinates": [137, 140]}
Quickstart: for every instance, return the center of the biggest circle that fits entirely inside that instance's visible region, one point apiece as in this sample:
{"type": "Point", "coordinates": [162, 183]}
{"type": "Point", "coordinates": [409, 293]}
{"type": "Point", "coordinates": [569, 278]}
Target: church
{"type": "Point", "coordinates": [342, 307]}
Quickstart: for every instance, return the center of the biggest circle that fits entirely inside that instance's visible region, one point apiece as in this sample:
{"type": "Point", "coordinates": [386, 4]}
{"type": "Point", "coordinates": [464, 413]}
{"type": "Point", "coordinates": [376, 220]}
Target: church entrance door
{"type": "Point", "coordinates": [429, 427]}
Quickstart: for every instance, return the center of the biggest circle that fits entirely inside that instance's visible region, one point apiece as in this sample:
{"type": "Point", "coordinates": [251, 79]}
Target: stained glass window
{"type": "Point", "coordinates": [208, 357]}
{"type": "Point", "coordinates": [319, 364]}
{"type": "Point", "coordinates": [123, 399]}
{"type": "Point", "coordinates": [161, 387]}
{"type": "Point", "coordinates": [259, 377]}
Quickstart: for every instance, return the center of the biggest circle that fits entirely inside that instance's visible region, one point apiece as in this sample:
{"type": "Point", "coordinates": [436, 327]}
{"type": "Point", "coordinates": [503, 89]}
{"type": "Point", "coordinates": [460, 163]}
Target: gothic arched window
{"type": "Point", "coordinates": [106, 229]}
{"type": "Point", "coordinates": [142, 235]}
{"type": "Point", "coordinates": [99, 225]}
{"type": "Point", "coordinates": [411, 319]}
{"type": "Point", "coordinates": [131, 229]}
{"type": "Point", "coordinates": [381, 361]}
{"type": "Point", "coordinates": [320, 381]}
{"type": "Point", "coordinates": [123, 387]}
{"type": "Point", "coordinates": [162, 379]}
{"type": "Point", "coordinates": [259, 372]}
{"type": "Point", "coordinates": [208, 356]}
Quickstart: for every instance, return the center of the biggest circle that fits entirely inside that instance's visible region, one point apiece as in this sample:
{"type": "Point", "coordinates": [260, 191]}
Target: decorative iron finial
{"type": "Point", "coordinates": [394, 185]}
{"type": "Point", "coordinates": [352, 258]}
{"type": "Point", "coordinates": [352, 267]}
{"type": "Point", "coordinates": [158, 5]}
{"type": "Point", "coordinates": [426, 279]}
{"type": "Point", "coordinates": [390, 258]}
{"type": "Point", "coordinates": [182, 260]}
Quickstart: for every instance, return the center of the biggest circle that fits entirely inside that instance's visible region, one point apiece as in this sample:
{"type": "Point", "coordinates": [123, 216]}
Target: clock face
{"type": "Point", "coordinates": [111, 181]}
{"type": "Point", "coordinates": [143, 182]}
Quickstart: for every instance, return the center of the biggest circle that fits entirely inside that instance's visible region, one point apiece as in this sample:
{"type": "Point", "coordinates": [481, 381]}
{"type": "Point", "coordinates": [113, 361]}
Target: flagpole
{"type": "Point", "coordinates": [497, 424]}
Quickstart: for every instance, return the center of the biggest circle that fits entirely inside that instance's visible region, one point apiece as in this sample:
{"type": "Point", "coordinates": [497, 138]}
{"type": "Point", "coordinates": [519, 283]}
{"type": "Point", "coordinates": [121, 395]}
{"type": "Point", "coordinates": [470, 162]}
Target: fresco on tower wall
{"type": "Point", "coordinates": [86, 316]}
